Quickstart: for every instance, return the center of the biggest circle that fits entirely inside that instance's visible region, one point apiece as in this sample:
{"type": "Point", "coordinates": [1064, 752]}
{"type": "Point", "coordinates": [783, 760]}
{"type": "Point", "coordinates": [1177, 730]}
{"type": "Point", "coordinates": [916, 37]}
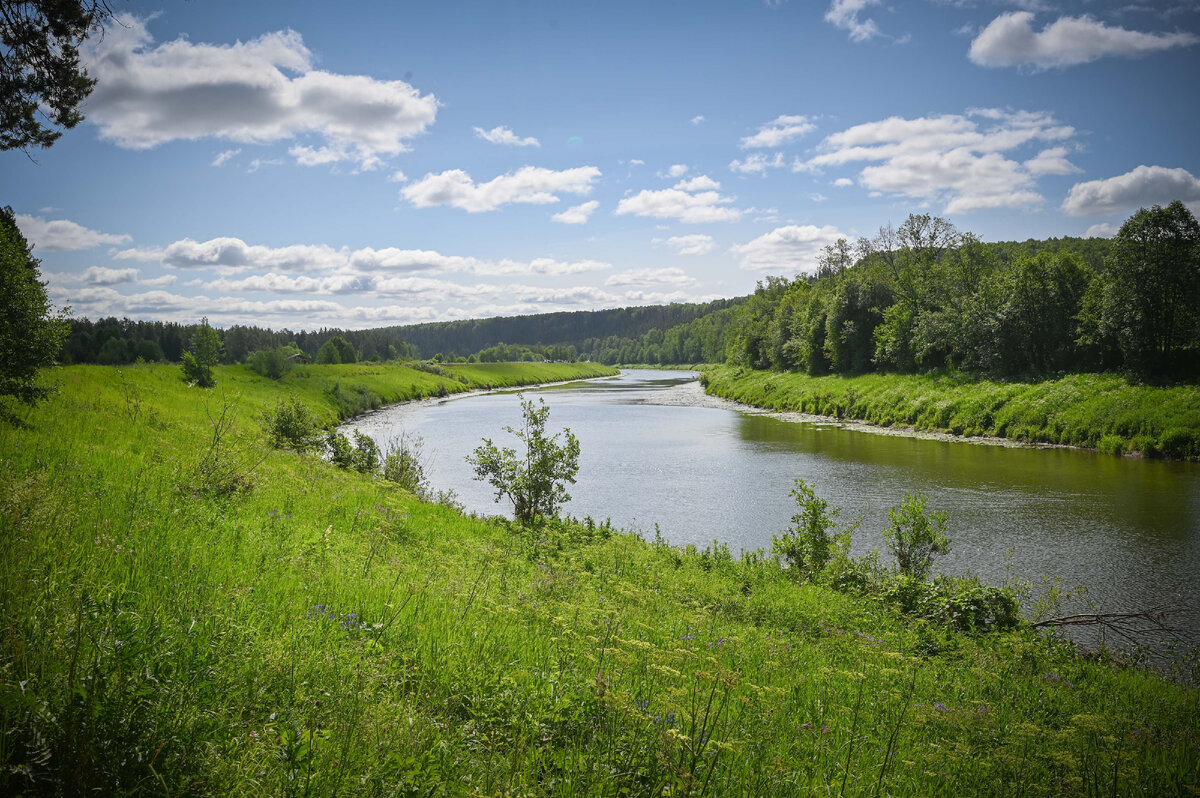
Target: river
{"type": "Point", "coordinates": [657, 451]}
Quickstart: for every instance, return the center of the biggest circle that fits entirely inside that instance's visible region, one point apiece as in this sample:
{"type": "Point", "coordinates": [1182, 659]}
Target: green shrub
{"type": "Point", "coordinates": [812, 539]}
{"type": "Point", "coordinates": [402, 464]}
{"type": "Point", "coordinates": [362, 455]}
{"type": "Point", "coordinates": [915, 535]}
{"type": "Point", "coordinates": [270, 363]}
{"type": "Point", "coordinates": [1180, 443]}
{"type": "Point", "coordinates": [1112, 444]}
{"type": "Point", "coordinates": [292, 426]}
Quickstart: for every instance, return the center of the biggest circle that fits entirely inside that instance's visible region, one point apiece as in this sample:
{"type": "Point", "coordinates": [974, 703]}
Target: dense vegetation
{"type": "Point", "coordinates": [1099, 411]}
{"type": "Point", "coordinates": [926, 297]}
{"type": "Point", "coordinates": [311, 630]}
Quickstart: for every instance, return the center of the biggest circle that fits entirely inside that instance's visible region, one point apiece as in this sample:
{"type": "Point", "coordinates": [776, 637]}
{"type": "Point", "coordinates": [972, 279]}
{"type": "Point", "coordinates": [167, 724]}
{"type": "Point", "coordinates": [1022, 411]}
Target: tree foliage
{"type": "Point", "coordinates": [814, 536]}
{"type": "Point", "coordinates": [40, 69]}
{"type": "Point", "coordinates": [534, 481]}
{"type": "Point", "coordinates": [203, 354]}
{"type": "Point", "coordinates": [31, 335]}
{"type": "Point", "coordinates": [915, 535]}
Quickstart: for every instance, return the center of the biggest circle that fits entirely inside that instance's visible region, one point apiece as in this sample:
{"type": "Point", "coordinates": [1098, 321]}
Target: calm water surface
{"type": "Point", "coordinates": [655, 451]}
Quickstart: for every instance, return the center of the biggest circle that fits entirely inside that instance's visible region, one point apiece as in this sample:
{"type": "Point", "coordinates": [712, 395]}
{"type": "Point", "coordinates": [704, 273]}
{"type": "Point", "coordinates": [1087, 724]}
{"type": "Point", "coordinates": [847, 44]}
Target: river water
{"type": "Point", "coordinates": [657, 451]}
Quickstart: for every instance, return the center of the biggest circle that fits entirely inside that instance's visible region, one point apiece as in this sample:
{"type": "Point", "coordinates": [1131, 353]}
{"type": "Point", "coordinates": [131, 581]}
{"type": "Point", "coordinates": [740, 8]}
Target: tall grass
{"type": "Point", "coordinates": [1097, 411]}
{"type": "Point", "coordinates": [324, 633]}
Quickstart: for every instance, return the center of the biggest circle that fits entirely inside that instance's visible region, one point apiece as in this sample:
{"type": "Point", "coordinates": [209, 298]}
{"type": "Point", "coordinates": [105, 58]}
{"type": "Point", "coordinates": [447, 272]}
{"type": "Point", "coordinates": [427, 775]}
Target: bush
{"type": "Point", "coordinates": [270, 363]}
{"type": "Point", "coordinates": [402, 464]}
{"type": "Point", "coordinates": [292, 426]}
{"type": "Point", "coordinates": [1180, 443]}
{"type": "Point", "coordinates": [960, 603]}
{"type": "Point", "coordinates": [915, 535]}
{"type": "Point", "coordinates": [204, 353]}
{"type": "Point", "coordinates": [811, 541]}
{"type": "Point", "coordinates": [361, 456]}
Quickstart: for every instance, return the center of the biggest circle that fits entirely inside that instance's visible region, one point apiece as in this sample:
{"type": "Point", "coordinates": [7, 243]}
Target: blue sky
{"type": "Point", "coordinates": [363, 164]}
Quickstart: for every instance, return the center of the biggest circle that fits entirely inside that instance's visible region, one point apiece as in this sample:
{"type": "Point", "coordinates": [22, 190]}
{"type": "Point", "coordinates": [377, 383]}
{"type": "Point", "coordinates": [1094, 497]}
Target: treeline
{"type": "Point", "coordinates": [113, 341]}
{"type": "Point", "coordinates": [646, 334]}
{"type": "Point", "coordinates": [926, 297]}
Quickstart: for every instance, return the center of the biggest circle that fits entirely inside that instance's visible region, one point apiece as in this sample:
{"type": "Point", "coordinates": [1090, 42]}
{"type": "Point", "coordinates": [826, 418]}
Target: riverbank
{"type": "Point", "coordinates": [1095, 411]}
{"type": "Point", "coordinates": [316, 631]}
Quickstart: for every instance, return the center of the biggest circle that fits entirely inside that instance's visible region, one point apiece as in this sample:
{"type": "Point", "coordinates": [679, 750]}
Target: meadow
{"type": "Point", "coordinates": [316, 631]}
{"type": "Point", "coordinates": [1108, 412]}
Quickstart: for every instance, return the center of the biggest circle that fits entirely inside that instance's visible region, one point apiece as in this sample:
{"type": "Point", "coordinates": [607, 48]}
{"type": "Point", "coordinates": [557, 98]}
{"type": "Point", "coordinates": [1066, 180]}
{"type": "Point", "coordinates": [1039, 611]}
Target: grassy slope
{"type": "Point", "coordinates": [326, 633]}
{"type": "Point", "coordinates": [1090, 410]}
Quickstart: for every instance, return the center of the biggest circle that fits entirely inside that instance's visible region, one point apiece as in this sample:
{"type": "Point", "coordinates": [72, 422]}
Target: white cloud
{"type": "Point", "coordinates": [698, 183]}
{"type": "Point", "coordinates": [844, 14]}
{"type": "Point", "coordinates": [843, 182]}
{"type": "Point", "coordinates": [1010, 41]}
{"type": "Point", "coordinates": [691, 245]}
{"type": "Point", "coordinates": [697, 119]}
{"type": "Point", "coordinates": [1052, 161]}
{"type": "Point", "coordinates": [224, 156]}
{"type": "Point", "coordinates": [677, 203]}
{"type": "Point", "coordinates": [59, 235]}
{"type": "Point", "coordinates": [677, 170]}
{"type": "Point", "coordinates": [259, 91]}
{"type": "Point", "coordinates": [1102, 230]}
{"type": "Point", "coordinates": [1139, 188]}
{"type": "Point", "coordinates": [781, 130]}
{"type": "Point", "coordinates": [234, 254]}
{"type": "Point", "coordinates": [957, 159]}
{"type": "Point", "coordinates": [529, 184]}
{"type": "Point", "coordinates": [391, 259]}
{"type": "Point", "coordinates": [101, 275]}
{"type": "Point", "coordinates": [159, 282]}
{"type": "Point", "coordinates": [757, 163]}
{"type": "Point", "coordinates": [787, 250]}
{"type": "Point", "coordinates": [577, 214]}
{"type": "Point", "coordinates": [502, 135]}
{"type": "Point", "coordinates": [397, 177]}
{"type": "Point", "coordinates": [818, 197]}
{"type": "Point", "coordinates": [650, 277]}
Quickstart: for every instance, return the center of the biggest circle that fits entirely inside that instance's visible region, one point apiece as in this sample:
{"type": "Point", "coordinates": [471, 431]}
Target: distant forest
{"type": "Point", "coordinates": [917, 298]}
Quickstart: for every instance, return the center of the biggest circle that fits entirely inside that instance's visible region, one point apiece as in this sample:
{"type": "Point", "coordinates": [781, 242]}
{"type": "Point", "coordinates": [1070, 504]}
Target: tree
{"type": "Point", "coordinates": [30, 335]}
{"type": "Point", "coordinates": [40, 68]}
{"type": "Point", "coordinates": [1153, 289]}
{"type": "Point", "coordinates": [202, 355]}
{"type": "Point", "coordinates": [813, 538]}
{"type": "Point", "coordinates": [915, 535]}
{"type": "Point", "coordinates": [535, 482]}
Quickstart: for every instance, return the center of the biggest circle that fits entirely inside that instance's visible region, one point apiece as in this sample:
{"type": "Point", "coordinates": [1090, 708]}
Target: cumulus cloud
{"type": "Point", "coordinates": [957, 159]}
{"type": "Point", "coordinates": [391, 259]}
{"type": "Point", "coordinates": [529, 184]}
{"type": "Point", "coordinates": [1102, 230]}
{"type": "Point", "coordinates": [691, 245]}
{"type": "Point", "coordinates": [59, 235]}
{"type": "Point", "coordinates": [843, 182]}
{"type": "Point", "coordinates": [1139, 188]}
{"type": "Point", "coordinates": [650, 277]}
{"type": "Point", "coordinates": [224, 156]}
{"type": "Point", "coordinates": [790, 249]}
{"type": "Point", "coordinates": [844, 14]}
{"type": "Point", "coordinates": [677, 170]}
{"type": "Point", "coordinates": [233, 254]}
{"type": "Point", "coordinates": [101, 275]}
{"type": "Point", "coordinates": [502, 135]}
{"type": "Point", "coordinates": [682, 204]}
{"type": "Point", "coordinates": [781, 130]}
{"type": "Point", "coordinates": [577, 214]}
{"type": "Point", "coordinates": [757, 163]}
{"type": "Point", "coordinates": [1010, 41]}
{"type": "Point", "coordinates": [254, 92]}
{"type": "Point", "coordinates": [698, 183]}
{"type": "Point", "coordinates": [1052, 161]}
{"type": "Point", "coordinates": [697, 119]}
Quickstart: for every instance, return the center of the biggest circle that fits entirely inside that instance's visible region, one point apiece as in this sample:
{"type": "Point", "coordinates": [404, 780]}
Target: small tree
{"type": "Point", "coordinates": [813, 538]}
{"type": "Point", "coordinates": [31, 336]}
{"type": "Point", "coordinates": [915, 535]}
{"type": "Point", "coordinates": [535, 482]}
{"type": "Point", "coordinates": [203, 353]}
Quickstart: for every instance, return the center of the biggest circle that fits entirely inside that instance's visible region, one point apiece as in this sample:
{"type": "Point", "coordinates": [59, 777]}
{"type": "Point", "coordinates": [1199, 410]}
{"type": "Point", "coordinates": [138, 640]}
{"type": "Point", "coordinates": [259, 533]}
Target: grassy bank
{"type": "Point", "coordinates": [1098, 411]}
{"type": "Point", "coordinates": [322, 633]}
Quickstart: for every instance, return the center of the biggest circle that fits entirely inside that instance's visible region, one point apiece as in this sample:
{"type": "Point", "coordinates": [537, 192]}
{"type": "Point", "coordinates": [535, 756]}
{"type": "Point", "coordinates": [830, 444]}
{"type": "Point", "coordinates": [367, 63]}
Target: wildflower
{"type": "Point", "coordinates": [824, 729]}
{"type": "Point", "coordinates": [939, 706]}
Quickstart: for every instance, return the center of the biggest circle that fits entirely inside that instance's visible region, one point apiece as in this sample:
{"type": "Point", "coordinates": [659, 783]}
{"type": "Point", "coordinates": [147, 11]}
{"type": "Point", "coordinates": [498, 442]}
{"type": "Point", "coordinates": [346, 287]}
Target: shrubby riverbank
{"type": "Point", "coordinates": [1096, 411]}
{"type": "Point", "coordinates": [312, 630]}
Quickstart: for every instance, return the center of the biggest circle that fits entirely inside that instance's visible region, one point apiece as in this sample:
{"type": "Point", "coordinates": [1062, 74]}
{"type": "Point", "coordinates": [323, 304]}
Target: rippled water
{"type": "Point", "coordinates": [657, 451]}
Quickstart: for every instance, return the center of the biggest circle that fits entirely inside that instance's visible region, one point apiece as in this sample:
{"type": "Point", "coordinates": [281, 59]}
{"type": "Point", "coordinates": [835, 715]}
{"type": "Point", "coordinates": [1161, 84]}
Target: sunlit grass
{"type": "Point", "coordinates": [323, 632]}
{"type": "Point", "coordinates": [1097, 411]}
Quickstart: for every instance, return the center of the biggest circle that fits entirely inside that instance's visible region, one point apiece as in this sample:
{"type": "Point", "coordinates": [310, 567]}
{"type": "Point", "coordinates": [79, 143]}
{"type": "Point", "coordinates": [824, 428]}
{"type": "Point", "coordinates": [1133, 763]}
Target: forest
{"type": "Point", "coordinates": [917, 298]}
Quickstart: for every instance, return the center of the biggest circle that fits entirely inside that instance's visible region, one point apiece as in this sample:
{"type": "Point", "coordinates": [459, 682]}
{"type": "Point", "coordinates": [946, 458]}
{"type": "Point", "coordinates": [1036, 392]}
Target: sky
{"type": "Point", "coordinates": [314, 164]}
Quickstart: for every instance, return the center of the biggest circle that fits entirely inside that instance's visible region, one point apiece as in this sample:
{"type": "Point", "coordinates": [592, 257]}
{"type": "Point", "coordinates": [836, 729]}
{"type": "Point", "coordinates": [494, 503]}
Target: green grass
{"type": "Point", "coordinates": [1097, 411]}
{"type": "Point", "coordinates": [325, 633]}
